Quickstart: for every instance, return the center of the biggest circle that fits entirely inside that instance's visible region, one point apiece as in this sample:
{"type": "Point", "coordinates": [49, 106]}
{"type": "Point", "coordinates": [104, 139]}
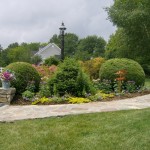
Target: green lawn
{"type": "Point", "coordinates": [123, 130]}
{"type": "Point", "coordinates": [147, 83]}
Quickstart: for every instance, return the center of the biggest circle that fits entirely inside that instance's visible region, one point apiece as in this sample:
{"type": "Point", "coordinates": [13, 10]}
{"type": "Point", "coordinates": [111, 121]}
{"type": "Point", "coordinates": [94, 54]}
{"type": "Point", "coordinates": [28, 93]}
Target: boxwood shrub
{"type": "Point", "coordinates": [133, 69]}
{"type": "Point", "coordinates": [24, 73]}
{"type": "Point", "coordinates": [70, 79]}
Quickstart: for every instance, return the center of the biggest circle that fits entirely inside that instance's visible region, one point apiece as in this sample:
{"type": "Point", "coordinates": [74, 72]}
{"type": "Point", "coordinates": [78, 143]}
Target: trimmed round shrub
{"type": "Point", "coordinates": [24, 73]}
{"type": "Point", "coordinates": [134, 70]}
{"type": "Point", "coordinates": [70, 79]}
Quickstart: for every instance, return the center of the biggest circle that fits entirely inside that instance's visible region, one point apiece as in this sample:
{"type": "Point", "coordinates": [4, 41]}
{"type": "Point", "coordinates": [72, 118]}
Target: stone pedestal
{"type": "Point", "coordinates": [6, 95]}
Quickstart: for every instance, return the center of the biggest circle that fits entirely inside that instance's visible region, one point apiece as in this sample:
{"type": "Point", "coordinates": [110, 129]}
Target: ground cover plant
{"type": "Point", "coordinates": [99, 131]}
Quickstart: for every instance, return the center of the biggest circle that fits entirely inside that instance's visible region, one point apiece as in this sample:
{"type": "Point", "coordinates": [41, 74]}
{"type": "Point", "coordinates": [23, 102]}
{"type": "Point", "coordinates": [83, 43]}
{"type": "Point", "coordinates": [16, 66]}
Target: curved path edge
{"type": "Point", "coordinates": [12, 113]}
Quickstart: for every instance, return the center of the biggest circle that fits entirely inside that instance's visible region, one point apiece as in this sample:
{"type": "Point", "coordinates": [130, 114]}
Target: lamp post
{"type": "Point", "coordinates": [62, 31]}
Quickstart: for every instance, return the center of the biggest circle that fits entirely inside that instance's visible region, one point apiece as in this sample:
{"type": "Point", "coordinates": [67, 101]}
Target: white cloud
{"type": "Point", "coordinates": [38, 20]}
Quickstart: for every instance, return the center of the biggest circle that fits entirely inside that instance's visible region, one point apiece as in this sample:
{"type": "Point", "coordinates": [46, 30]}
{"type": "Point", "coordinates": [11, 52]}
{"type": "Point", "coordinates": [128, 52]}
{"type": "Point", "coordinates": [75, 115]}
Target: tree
{"type": "Point", "coordinates": [117, 46]}
{"type": "Point", "coordinates": [23, 52]}
{"type": "Point", "coordinates": [134, 18]}
{"type": "Point", "coordinates": [13, 45]}
{"type": "Point", "coordinates": [36, 59]}
{"type": "Point", "coordinates": [56, 39]}
{"type": "Point", "coordinates": [1, 56]}
{"type": "Point", "coordinates": [19, 54]}
{"type": "Point", "coordinates": [91, 47]}
{"type": "Point", "coordinates": [70, 45]}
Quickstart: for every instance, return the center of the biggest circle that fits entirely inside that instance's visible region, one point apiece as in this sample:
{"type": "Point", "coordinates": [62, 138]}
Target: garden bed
{"type": "Point", "coordinates": [18, 100]}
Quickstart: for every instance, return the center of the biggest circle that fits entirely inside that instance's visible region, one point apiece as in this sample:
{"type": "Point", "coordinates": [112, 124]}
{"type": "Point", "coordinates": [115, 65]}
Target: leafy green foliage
{"type": "Point", "coordinates": [71, 43]}
{"type": "Point", "coordinates": [22, 53]}
{"type": "Point", "coordinates": [27, 95]}
{"type": "Point", "coordinates": [70, 79]}
{"type": "Point", "coordinates": [133, 69]}
{"type": "Point", "coordinates": [104, 85]}
{"type": "Point", "coordinates": [134, 19]}
{"type": "Point", "coordinates": [24, 73]}
{"type": "Point", "coordinates": [117, 46]}
{"type": "Point", "coordinates": [92, 66]}
{"type": "Point", "coordinates": [100, 95]}
{"type": "Point", "coordinates": [36, 59]}
{"type": "Point", "coordinates": [89, 47]}
{"type": "Point", "coordinates": [51, 61]}
{"type": "Point", "coordinates": [44, 90]}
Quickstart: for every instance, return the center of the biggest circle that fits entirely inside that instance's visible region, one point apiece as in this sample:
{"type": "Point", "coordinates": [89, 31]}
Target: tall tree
{"type": "Point", "coordinates": [133, 16]}
{"type": "Point", "coordinates": [22, 52]}
{"type": "Point", "coordinates": [91, 47]}
{"type": "Point", "coordinates": [13, 45]}
{"type": "Point", "coordinates": [117, 46]}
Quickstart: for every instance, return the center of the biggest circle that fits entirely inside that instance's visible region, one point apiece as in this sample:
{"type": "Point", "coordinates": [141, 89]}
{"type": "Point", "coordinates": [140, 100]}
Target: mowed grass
{"type": "Point", "coordinates": [147, 83]}
{"type": "Point", "coordinates": [123, 130]}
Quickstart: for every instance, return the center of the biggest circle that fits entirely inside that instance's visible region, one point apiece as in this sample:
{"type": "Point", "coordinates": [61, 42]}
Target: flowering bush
{"type": "Point", "coordinates": [120, 79]}
{"type": "Point", "coordinates": [92, 66]}
{"type": "Point", "coordinates": [45, 71]}
{"type": "Point", "coordinates": [7, 75]}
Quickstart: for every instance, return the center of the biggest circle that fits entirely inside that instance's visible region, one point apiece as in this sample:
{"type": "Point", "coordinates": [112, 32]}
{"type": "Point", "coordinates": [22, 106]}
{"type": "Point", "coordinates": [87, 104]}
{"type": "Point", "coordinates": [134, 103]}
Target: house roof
{"type": "Point", "coordinates": [49, 45]}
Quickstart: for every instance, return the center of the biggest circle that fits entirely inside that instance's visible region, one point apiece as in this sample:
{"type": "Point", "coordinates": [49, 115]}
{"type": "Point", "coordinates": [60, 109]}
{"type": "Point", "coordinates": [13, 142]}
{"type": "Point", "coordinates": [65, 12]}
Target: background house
{"type": "Point", "coordinates": [50, 50]}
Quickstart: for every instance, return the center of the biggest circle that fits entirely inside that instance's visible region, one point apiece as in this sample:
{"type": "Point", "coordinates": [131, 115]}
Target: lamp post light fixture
{"type": "Point", "coordinates": [62, 31]}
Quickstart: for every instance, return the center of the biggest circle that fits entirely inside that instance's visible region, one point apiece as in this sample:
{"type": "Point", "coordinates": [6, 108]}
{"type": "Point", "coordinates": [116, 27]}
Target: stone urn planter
{"type": "Point", "coordinates": [5, 84]}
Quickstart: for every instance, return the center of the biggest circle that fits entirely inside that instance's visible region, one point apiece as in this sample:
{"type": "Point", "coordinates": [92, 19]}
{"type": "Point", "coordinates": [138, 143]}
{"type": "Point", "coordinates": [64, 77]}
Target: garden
{"type": "Point", "coordinates": [73, 81]}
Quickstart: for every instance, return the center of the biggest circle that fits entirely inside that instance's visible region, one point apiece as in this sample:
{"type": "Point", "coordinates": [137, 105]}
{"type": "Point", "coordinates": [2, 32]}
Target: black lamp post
{"type": "Point", "coordinates": [62, 31]}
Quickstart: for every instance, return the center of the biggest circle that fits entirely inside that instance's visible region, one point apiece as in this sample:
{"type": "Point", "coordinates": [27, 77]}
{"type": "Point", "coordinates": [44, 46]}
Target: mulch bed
{"type": "Point", "coordinates": [18, 100]}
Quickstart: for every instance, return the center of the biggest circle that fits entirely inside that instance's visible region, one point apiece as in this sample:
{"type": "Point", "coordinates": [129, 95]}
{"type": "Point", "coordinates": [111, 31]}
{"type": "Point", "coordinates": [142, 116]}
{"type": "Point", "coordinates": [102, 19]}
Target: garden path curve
{"type": "Point", "coordinates": [11, 113]}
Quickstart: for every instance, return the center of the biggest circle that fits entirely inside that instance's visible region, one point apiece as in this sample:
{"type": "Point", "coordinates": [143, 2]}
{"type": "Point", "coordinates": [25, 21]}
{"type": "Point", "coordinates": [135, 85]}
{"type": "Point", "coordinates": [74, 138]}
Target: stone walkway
{"type": "Point", "coordinates": [11, 113]}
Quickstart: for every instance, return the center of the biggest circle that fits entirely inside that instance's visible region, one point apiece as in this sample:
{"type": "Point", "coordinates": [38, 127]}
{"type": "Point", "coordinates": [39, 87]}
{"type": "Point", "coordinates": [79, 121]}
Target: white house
{"type": "Point", "coordinates": [1, 69]}
{"type": "Point", "coordinates": [50, 50]}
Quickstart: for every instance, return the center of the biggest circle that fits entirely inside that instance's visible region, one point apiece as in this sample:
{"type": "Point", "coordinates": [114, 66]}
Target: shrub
{"type": "Point", "coordinates": [27, 95]}
{"type": "Point", "coordinates": [104, 85]}
{"type": "Point", "coordinates": [134, 70]}
{"type": "Point", "coordinates": [36, 59]}
{"type": "Point", "coordinates": [92, 67]}
{"type": "Point", "coordinates": [51, 61]}
{"type": "Point", "coordinates": [44, 90]}
{"type": "Point", "coordinates": [24, 73]}
{"type": "Point", "coordinates": [45, 71]}
{"type": "Point", "coordinates": [70, 79]}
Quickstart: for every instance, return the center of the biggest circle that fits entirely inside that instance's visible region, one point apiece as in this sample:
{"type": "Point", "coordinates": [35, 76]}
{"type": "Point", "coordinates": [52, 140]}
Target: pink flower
{"type": "Point", "coordinates": [7, 75]}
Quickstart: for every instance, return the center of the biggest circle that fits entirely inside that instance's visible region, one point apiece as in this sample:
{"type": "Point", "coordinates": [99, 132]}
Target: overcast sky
{"type": "Point", "coordinates": [38, 20]}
